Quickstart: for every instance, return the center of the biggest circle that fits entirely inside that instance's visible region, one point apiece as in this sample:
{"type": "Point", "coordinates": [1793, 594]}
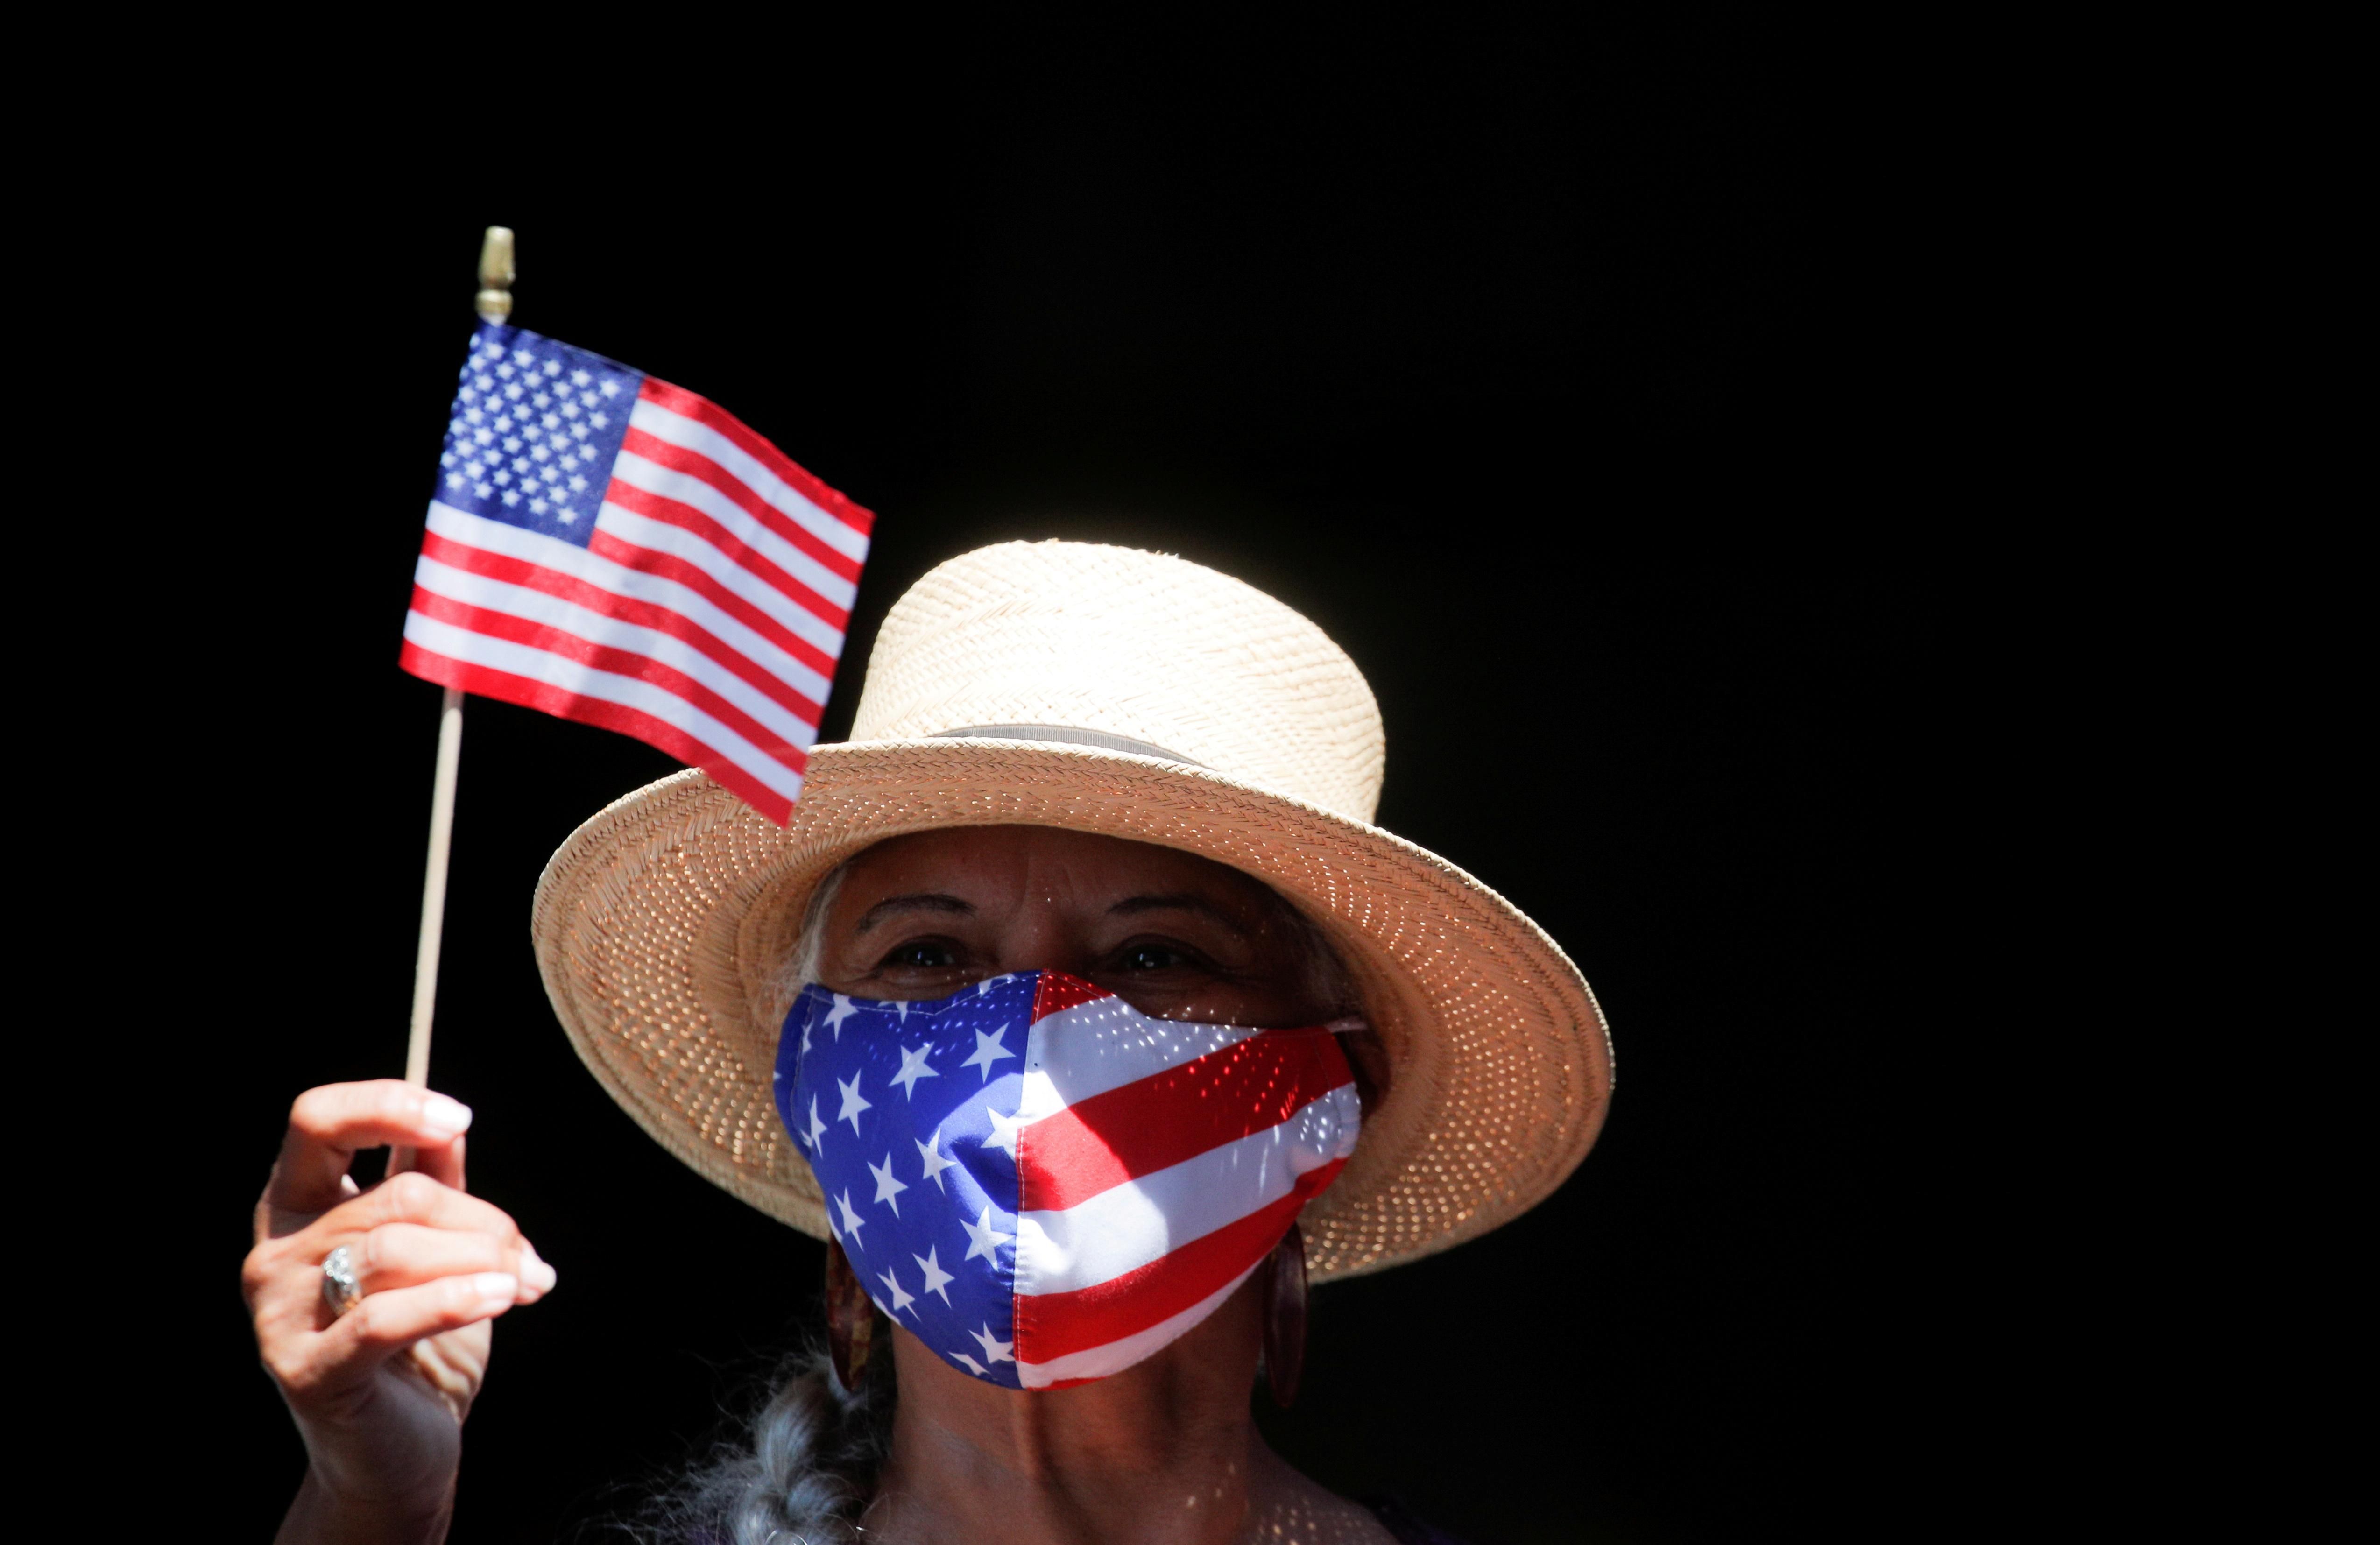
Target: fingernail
{"type": "Point", "coordinates": [495, 1288]}
{"type": "Point", "coordinates": [445, 1118]}
{"type": "Point", "coordinates": [535, 1272]}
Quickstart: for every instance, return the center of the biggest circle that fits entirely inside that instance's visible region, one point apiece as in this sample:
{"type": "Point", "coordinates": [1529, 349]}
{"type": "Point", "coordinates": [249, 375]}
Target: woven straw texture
{"type": "Point", "coordinates": [661, 923]}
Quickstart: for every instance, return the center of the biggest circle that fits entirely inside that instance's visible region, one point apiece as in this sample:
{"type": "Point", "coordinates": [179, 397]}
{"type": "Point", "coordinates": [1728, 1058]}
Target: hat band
{"type": "Point", "coordinates": [1062, 733]}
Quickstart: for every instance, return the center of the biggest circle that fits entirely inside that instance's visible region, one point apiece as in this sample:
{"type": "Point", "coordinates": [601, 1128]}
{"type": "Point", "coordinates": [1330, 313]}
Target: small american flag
{"type": "Point", "coordinates": [613, 549]}
{"type": "Point", "coordinates": [1046, 1184]}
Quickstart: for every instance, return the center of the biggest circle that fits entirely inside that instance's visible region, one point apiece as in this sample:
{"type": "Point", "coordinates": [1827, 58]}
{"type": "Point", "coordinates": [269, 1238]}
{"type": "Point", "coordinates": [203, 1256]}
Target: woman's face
{"type": "Point", "coordinates": [1172, 934]}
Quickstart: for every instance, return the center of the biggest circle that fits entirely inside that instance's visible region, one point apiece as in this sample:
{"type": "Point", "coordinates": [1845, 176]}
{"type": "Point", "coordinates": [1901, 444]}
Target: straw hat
{"type": "Point", "coordinates": [1098, 689]}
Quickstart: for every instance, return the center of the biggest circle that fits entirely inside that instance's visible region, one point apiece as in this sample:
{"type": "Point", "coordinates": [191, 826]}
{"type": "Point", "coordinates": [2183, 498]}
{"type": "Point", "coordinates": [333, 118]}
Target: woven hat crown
{"type": "Point", "coordinates": [1140, 649]}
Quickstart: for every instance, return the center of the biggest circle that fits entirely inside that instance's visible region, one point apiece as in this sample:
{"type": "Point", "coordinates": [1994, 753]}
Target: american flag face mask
{"type": "Point", "coordinates": [1045, 1185]}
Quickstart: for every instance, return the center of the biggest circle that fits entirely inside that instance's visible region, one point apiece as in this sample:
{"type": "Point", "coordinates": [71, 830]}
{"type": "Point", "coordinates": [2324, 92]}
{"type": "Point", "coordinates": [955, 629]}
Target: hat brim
{"type": "Point", "coordinates": [661, 926]}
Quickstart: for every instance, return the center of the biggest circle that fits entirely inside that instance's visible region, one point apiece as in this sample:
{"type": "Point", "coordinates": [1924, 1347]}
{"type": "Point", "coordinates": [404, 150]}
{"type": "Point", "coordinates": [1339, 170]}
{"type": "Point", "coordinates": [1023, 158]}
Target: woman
{"type": "Point", "coordinates": [1082, 1010]}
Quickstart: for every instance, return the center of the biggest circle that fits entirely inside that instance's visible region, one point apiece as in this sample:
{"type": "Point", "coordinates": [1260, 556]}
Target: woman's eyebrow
{"type": "Point", "coordinates": [920, 901]}
{"type": "Point", "coordinates": [1180, 901]}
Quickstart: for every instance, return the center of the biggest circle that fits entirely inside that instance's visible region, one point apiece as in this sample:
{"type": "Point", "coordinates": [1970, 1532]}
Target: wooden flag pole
{"type": "Point", "coordinates": [434, 886]}
{"type": "Point", "coordinates": [494, 303]}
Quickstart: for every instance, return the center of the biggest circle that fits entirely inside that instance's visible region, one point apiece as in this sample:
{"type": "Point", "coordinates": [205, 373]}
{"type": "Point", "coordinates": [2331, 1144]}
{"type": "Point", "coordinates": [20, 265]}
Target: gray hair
{"type": "Point", "coordinates": [800, 968]}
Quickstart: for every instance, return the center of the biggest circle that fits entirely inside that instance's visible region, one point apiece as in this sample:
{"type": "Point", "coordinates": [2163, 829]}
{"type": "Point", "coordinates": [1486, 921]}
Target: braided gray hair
{"type": "Point", "coordinates": [801, 1472]}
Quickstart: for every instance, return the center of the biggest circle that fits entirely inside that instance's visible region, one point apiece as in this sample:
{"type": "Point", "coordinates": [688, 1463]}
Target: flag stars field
{"type": "Point", "coordinates": [610, 548]}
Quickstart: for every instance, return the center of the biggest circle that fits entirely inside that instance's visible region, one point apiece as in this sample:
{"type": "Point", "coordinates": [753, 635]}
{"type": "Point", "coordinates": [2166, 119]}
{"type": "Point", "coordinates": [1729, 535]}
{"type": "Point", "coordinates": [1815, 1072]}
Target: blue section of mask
{"type": "Point", "coordinates": [895, 1106]}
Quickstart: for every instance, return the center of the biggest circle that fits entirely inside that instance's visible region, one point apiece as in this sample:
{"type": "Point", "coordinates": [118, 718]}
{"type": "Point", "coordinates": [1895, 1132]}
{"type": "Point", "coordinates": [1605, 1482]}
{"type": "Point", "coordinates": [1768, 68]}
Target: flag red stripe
{"type": "Point", "coordinates": [694, 464]}
{"type": "Point", "coordinates": [603, 657]}
{"type": "Point", "coordinates": [645, 613]}
{"type": "Point", "coordinates": [1161, 1121]}
{"type": "Point", "coordinates": [652, 506]}
{"type": "Point", "coordinates": [703, 410]}
{"type": "Point", "coordinates": [662, 736]}
{"type": "Point", "coordinates": [669, 566]}
{"type": "Point", "coordinates": [1054, 1324]}
{"type": "Point", "coordinates": [1057, 992]}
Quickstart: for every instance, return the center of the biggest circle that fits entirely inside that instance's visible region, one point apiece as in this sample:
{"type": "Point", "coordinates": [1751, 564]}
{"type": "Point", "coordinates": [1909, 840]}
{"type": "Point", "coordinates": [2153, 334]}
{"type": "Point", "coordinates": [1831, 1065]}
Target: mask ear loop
{"type": "Point", "coordinates": [1366, 1058]}
{"type": "Point", "coordinates": [1285, 1325]}
{"type": "Point", "coordinates": [850, 1320]}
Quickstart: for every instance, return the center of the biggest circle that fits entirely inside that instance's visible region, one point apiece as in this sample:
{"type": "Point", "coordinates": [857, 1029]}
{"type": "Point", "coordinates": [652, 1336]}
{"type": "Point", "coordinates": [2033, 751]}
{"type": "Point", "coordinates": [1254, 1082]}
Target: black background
{"type": "Point", "coordinates": [1542, 373]}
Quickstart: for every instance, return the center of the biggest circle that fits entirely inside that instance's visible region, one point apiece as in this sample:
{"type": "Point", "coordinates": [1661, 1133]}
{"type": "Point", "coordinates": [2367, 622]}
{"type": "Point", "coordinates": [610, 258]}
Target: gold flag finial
{"type": "Point", "coordinates": [495, 298]}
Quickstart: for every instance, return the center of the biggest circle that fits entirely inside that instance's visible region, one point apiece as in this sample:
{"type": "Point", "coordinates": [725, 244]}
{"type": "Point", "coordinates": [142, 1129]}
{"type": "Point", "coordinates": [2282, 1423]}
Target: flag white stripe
{"type": "Point", "coordinates": [577, 563]}
{"type": "Point", "coordinates": [678, 542]}
{"type": "Point", "coordinates": [694, 435]}
{"type": "Point", "coordinates": [611, 632]}
{"type": "Point", "coordinates": [1098, 1362]}
{"type": "Point", "coordinates": [501, 655]}
{"type": "Point", "coordinates": [1105, 1044]}
{"type": "Point", "coordinates": [1127, 1226]}
{"type": "Point", "coordinates": [655, 479]}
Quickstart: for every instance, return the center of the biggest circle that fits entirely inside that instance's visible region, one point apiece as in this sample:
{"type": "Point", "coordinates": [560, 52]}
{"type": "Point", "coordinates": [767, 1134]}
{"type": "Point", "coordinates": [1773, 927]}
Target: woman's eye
{"type": "Point", "coordinates": [1151, 957]}
{"type": "Point", "coordinates": [921, 954]}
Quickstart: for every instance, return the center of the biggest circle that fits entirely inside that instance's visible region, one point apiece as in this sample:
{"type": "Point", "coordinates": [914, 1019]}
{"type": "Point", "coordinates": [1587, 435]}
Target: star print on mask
{"type": "Point", "coordinates": [1156, 1161]}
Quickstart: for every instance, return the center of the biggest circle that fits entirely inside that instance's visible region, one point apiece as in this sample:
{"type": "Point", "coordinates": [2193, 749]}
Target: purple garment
{"type": "Point", "coordinates": [1394, 1516]}
{"type": "Point", "coordinates": [1400, 1521]}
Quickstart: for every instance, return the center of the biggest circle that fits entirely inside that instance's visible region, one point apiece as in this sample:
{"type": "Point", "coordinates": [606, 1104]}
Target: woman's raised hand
{"type": "Point", "coordinates": [380, 1393]}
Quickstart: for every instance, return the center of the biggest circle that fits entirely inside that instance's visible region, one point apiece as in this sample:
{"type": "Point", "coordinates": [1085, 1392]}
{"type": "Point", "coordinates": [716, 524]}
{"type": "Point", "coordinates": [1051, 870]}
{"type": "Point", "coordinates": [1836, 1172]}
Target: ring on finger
{"type": "Point", "coordinates": [340, 1289]}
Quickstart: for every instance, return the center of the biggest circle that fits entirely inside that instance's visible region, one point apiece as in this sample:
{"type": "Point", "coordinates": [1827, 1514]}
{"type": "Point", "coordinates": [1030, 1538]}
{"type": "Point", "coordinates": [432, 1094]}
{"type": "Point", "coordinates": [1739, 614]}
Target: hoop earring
{"type": "Point", "coordinates": [1284, 1326]}
{"type": "Point", "coordinates": [850, 1320]}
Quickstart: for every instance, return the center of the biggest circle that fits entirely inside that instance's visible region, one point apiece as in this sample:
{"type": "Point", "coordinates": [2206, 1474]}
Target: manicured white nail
{"type": "Point", "coordinates": [445, 1118]}
{"type": "Point", "coordinates": [495, 1287]}
{"type": "Point", "coordinates": [535, 1272]}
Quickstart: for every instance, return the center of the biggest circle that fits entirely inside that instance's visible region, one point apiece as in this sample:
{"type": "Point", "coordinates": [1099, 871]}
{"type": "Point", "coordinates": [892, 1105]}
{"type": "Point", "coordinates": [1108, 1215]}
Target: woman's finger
{"type": "Point", "coordinates": [410, 1197]}
{"type": "Point", "coordinates": [329, 1123]}
{"type": "Point", "coordinates": [444, 1165]}
{"type": "Point", "coordinates": [282, 1277]}
{"type": "Point", "coordinates": [386, 1323]}
{"type": "Point", "coordinates": [407, 1255]}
